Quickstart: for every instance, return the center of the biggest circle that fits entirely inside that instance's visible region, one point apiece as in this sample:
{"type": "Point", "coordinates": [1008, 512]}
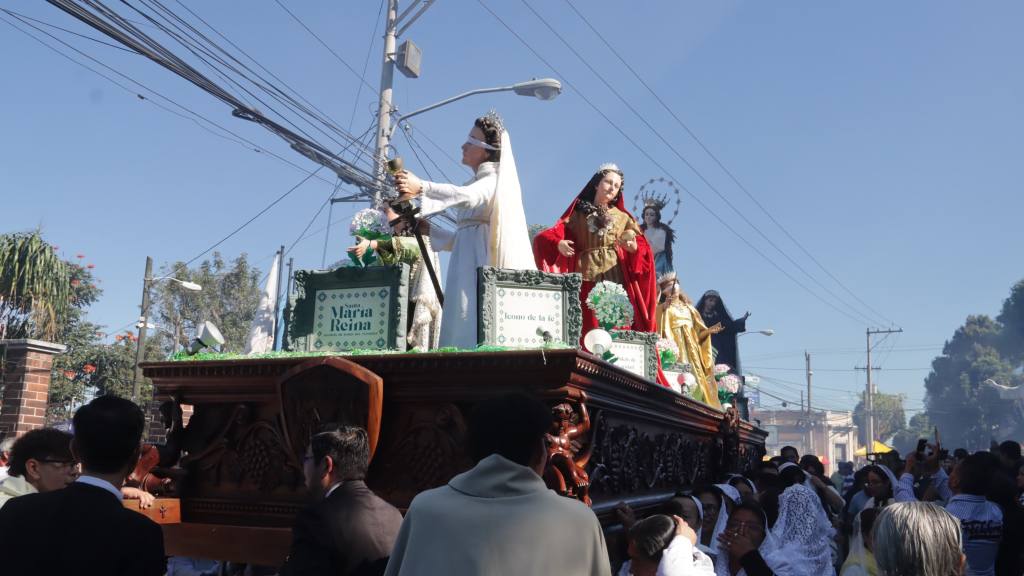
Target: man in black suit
{"type": "Point", "coordinates": [84, 528]}
{"type": "Point", "coordinates": [348, 530]}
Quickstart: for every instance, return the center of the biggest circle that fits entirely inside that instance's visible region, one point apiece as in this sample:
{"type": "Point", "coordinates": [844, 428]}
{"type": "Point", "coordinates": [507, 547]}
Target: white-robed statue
{"type": "Point", "coordinates": [490, 224]}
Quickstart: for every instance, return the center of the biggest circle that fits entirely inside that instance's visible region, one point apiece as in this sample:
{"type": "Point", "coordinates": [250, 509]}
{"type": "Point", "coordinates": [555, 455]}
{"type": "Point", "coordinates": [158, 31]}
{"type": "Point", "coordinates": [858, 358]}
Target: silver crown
{"type": "Point", "coordinates": [495, 118]}
{"type": "Point", "coordinates": [609, 166]}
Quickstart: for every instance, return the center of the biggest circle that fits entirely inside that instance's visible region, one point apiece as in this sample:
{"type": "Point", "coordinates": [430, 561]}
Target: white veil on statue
{"type": "Point", "coordinates": [510, 237]}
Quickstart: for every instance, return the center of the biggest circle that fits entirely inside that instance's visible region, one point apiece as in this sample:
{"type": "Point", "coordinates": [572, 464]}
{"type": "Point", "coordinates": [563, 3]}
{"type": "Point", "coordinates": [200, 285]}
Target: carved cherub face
{"type": "Point", "coordinates": [563, 412]}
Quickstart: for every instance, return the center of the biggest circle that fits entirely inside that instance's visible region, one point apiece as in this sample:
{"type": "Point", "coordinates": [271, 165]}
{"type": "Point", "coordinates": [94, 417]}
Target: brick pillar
{"type": "Point", "coordinates": [26, 384]}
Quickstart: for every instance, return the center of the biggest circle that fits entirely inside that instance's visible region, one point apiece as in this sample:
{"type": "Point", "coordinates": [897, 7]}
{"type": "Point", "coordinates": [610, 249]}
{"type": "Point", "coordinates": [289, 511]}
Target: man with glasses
{"type": "Point", "coordinates": [41, 461]}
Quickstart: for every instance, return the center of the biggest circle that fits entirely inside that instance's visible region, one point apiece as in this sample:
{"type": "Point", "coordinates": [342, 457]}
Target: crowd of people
{"type": "Point", "coordinates": [930, 514]}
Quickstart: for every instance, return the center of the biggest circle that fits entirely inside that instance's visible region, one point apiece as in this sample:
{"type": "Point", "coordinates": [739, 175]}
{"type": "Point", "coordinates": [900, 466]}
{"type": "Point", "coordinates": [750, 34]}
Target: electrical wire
{"type": "Point", "coordinates": [650, 158]}
{"type": "Point", "coordinates": [681, 157]}
{"type": "Point", "coordinates": [602, 37]}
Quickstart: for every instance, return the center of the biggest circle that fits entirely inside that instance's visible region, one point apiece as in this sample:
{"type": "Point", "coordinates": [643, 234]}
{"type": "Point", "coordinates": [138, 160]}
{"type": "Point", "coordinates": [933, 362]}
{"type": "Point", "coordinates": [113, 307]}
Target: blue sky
{"type": "Point", "coordinates": [885, 137]}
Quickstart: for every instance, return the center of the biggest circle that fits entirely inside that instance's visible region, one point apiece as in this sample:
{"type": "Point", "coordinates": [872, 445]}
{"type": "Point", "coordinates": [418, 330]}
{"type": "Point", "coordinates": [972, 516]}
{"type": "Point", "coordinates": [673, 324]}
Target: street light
{"type": "Point", "coordinates": [191, 286]}
{"type": "Point", "coordinates": [540, 88]}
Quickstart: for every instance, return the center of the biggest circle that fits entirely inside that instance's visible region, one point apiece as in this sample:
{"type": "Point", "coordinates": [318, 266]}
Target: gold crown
{"type": "Point", "coordinates": [655, 200]}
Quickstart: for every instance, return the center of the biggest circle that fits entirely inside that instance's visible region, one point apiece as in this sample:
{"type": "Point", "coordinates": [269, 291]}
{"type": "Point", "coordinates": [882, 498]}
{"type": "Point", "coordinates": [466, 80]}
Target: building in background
{"type": "Point", "coordinates": [831, 435]}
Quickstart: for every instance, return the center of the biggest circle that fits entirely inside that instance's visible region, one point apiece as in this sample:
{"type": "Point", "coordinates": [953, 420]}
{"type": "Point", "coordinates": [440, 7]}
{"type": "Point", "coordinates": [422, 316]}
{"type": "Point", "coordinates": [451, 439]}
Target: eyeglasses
{"type": "Point", "coordinates": [753, 526]}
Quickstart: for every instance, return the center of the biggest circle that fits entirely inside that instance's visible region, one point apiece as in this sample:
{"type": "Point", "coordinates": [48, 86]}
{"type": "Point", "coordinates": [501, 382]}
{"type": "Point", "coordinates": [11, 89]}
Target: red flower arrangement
{"type": "Point", "coordinates": [89, 368]}
{"type": "Point", "coordinates": [69, 374]}
{"type": "Point", "coordinates": [75, 282]}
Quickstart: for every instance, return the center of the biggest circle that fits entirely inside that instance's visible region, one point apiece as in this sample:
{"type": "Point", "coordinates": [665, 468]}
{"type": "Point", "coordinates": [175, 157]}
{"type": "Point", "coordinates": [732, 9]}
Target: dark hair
{"type": "Point", "coordinates": [652, 535]}
{"type": "Point", "coordinates": [590, 190]}
{"type": "Point", "coordinates": [492, 135]}
{"type": "Point", "coordinates": [108, 432]}
{"type": "Point", "coordinates": [811, 464]}
{"type": "Point", "coordinates": [512, 426]}
{"type": "Point", "coordinates": [42, 444]}
{"type": "Point", "coordinates": [348, 447]}
{"type": "Point", "coordinates": [974, 474]}
{"type": "Point", "coordinates": [769, 503]}
{"type": "Point", "coordinates": [784, 448]}
{"type": "Point", "coordinates": [867, 521]}
{"type": "Point", "coordinates": [766, 481]}
{"type": "Point", "coordinates": [791, 475]}
{"type": "Point", "coordinates": [1010, 449]}
{"type": "Point", "coordinates": [673, 506]}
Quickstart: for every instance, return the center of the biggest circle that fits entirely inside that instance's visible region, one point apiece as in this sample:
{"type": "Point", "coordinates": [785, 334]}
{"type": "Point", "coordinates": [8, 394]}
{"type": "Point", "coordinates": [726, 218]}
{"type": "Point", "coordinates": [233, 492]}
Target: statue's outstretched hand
{"type": "Point", "coordinates": [565, 248]}
{"type": "Point", "coordinates": [409, 185]}
{"type": "Point", "coordinates": [716, 328]}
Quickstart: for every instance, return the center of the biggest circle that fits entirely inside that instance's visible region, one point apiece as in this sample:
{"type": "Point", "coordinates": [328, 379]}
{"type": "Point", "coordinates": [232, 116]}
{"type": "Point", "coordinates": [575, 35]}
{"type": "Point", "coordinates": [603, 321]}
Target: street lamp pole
{"type": "Point", "coordinates": [143, 312]}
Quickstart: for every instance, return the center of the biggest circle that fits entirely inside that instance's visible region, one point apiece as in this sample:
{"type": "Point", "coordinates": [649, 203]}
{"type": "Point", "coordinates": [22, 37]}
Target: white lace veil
{"type": "Point", "coordinates": [510, 237]}
{"type": "Point", "coordinates": [802, 535]}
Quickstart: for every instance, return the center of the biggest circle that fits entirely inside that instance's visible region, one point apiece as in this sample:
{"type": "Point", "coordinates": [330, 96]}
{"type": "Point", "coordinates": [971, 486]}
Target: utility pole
{"type": "Point", "coordinates": [810, 417]}
{"type": "Point", "coordinates": [869, 391]}
{"type": "Point", "coordinates": [387, 78]}
{"type": "Point", "coordinates": [143, 320]}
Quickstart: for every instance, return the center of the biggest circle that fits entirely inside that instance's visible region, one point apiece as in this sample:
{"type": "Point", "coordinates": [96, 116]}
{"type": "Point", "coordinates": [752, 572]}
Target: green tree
{"type": "Point", "coordinates": [889, 417]}
{"type": "Point", "coordinates": [1012, 320]}
{"type": "Point", "coordinates": [967, 411]}
{"type": "Point", "coordinates": [229, 298]}
{"type": "Point", "coordinates": [35, 288]}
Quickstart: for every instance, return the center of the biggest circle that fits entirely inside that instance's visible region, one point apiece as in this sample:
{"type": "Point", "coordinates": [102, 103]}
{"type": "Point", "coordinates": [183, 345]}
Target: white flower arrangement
{"type": "Point", "coordinates": [668, 350]}
{"type": "Point", "coordinates": [610, 305]}
{"type": "Point", "coordinates": [369, 221]}
{"type": "Point", "coordinates": [720, 370]}
{"type": "Point", "coordinates": [730, 383]}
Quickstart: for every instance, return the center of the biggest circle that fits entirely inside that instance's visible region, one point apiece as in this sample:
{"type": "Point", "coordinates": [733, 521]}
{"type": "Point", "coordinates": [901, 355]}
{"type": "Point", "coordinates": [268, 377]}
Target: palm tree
{"type": "Point", "coordinates": [35, 287]}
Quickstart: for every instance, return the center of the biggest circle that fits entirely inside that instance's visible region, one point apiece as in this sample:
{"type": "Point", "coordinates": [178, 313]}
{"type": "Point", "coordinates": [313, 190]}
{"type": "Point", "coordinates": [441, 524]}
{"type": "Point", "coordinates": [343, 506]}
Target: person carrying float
{"type": "Point", "coordinates": [598, 238]}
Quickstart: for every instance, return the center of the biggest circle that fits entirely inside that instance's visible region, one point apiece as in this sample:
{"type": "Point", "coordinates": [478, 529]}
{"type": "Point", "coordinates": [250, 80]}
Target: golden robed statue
{"type": "Point", "coordinates": [680, 322]}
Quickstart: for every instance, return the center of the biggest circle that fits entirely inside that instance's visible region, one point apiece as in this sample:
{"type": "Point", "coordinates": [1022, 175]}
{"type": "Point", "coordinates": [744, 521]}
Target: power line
{"type": "Point", "coordinates": [602, 37]}
{"type": "Point", "coordinates": [327, 46]}
{"type": "Point", "coordinates": [692, 168]}
{"type": "Point", "coordinates": [23, 18]}
{"type": "Point", "coordinates": [835, 369]}
{"type": "Point", "coordinates": [195, 116]}
{"type": "Point", "coordinates": [647, 155]}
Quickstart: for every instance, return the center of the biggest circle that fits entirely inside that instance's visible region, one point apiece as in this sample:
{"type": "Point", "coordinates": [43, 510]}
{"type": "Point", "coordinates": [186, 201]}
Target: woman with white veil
{"type": "Point", "coordinates": [490, 223]}
{"type": "Point", "coordinates": [797, 545]}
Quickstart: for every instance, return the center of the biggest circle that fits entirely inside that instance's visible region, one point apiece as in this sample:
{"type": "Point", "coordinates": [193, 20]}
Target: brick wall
{"type": "Point", "coordinates": [26, 384]}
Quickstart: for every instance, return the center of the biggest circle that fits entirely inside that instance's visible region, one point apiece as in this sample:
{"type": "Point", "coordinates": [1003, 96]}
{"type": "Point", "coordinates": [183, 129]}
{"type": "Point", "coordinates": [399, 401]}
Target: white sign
{"type": "Point", "coordinates": [521, 311]}
{"type": "Point", "coordinates": [632, 357]}
{"type": "Point", "coordinates": [351, 319]}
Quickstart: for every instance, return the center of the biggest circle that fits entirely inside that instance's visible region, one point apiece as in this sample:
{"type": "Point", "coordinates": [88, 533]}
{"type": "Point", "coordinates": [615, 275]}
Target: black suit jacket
{"type": "Point", "coordinates": [349, 533]}
{"type": "Point", "coordinates": [81, 529]}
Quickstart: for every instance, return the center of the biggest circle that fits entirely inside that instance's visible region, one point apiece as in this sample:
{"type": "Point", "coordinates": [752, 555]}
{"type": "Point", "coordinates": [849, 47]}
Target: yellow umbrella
{"type": "Point", "coordinates": [877, 448]}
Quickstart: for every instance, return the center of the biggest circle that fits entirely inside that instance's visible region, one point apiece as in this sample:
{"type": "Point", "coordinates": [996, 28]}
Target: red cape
{"type": "Point", "coordinates": [637, 270]}
{"type": "Point", "coordinates": [637, 267]}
